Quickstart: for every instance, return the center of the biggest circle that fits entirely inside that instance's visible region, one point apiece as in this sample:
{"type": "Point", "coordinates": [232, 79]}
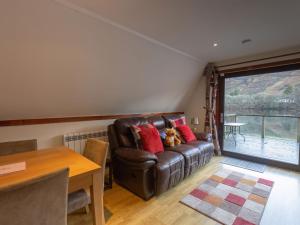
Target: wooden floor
{"type": "Point", "coordinates": [283, 207]}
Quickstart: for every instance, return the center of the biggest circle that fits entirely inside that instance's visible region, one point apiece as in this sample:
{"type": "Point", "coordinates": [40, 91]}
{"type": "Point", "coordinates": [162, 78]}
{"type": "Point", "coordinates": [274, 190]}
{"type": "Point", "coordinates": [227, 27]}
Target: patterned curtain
{"type": "Point", "coordinates": [211, 96]}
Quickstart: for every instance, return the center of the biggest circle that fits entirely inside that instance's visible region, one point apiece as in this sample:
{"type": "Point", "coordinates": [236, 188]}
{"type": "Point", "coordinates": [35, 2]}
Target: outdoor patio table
{"type": "Point", "coordinates": [234, 129]}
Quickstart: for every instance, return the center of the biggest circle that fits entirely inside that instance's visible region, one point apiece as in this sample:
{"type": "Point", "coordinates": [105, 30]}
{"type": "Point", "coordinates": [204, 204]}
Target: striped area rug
{"type": "Point", "coordinates": [231, 198]}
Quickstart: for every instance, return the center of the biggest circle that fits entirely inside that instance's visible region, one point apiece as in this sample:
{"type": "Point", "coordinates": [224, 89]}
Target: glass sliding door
{"type": "Point", "coordinates": [261, 115]}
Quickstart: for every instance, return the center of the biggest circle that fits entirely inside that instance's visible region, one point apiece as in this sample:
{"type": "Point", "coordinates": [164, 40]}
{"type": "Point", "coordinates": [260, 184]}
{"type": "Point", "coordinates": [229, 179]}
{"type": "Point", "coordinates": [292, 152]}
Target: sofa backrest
{"type": "Point", "coordinates": [123, 131]}
{"type": "Point", "coordinates": [167, 118]}
{"type": "Point", "coordinates": [157, 121]}
{"type": "Point", "coordinates": [122, 127]}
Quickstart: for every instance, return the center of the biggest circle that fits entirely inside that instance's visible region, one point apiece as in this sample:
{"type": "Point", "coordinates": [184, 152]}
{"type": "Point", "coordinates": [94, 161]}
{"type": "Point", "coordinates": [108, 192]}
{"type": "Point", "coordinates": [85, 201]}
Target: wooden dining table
{"type": "Point", "coordinates": [83, 173]}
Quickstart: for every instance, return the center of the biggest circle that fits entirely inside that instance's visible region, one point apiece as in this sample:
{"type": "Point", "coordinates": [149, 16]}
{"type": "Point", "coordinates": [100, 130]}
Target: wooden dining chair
{"type": "Point", "coordinates": [39, 201]}
{"type": "Point", "coordinates": [12, 147]}
{"type": "Point", "coordinates": [96, 151]}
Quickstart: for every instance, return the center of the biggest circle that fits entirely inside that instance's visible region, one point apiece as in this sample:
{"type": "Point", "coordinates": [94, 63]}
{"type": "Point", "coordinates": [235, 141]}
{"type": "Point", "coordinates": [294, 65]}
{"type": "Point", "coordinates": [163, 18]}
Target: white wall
{"type": "Point", "coordinates": [49, 135]}
{"type": "Point", "coordinates": [196, 103]}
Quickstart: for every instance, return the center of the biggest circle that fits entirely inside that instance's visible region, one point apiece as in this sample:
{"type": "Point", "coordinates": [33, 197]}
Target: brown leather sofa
{"type": "Point", "coordinates": [146, 174]}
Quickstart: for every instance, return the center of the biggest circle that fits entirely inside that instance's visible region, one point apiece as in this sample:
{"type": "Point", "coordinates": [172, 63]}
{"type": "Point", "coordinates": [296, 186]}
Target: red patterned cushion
{"type": "Point", "coordinates": [135, 130]}
{"type": "Point", "coordinates": [186, 132]}
{"type": "Point", "coordinates": [177, 122]}
{"type": "Point", "coordinates": [150, 139]}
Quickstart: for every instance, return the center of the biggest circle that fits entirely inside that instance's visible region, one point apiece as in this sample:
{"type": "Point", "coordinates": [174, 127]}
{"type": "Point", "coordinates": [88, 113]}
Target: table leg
{"type": "Point", "coordinates": [110, 174]}
{"type": "Point", "coordinates": [97, 199]}
{"type": "Point", "coordinates": [234, 134]}
{"type": "Point", "coordinates": [241, 134]}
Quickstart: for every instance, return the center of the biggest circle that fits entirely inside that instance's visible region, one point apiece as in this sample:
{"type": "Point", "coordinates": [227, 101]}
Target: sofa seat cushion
{"type": "Point", "coordinates": [191, 156]}
{"type": "Point", "coordinates": [206, 149]}
{"type": "Point", "coordinates": [169, 170]}
{"type": "Point", "coordinates": [202, 145]}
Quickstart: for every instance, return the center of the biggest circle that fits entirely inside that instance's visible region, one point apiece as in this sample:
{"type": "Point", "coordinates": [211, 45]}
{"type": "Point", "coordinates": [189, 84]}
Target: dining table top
{"type": "Point", "coordinates": [44, 161]}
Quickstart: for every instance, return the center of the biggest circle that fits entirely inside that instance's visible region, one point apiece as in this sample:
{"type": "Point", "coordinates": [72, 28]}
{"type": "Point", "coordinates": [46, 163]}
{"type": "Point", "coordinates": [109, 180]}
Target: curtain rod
{"type": "Point", "coordinates": [261, 59]}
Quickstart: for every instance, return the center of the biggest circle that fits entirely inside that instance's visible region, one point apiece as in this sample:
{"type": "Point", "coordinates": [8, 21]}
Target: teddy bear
{"type": "Point", "coordinates": [172, 138]}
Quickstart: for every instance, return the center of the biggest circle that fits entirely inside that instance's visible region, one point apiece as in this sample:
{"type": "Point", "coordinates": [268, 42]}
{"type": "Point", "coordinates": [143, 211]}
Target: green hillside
{"type": "Point", "coordinates": [273, 94]}
{"type": "Point", "coordinates": [264, 94]}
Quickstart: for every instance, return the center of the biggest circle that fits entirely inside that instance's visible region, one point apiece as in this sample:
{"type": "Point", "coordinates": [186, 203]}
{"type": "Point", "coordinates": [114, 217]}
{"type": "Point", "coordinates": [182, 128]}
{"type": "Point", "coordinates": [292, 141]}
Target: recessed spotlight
{"type": "Point", "coordinates": [215, 44]}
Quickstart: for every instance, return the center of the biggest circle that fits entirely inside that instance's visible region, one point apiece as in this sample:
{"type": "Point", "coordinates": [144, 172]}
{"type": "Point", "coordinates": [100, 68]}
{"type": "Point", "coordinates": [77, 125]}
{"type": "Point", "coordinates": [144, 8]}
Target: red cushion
{"type": "Point", "coordinates": [177, 122]}
{"type": "Point", "coordinates": [151, 140]}
{"type": "Point", "coordinates": [186, 133]}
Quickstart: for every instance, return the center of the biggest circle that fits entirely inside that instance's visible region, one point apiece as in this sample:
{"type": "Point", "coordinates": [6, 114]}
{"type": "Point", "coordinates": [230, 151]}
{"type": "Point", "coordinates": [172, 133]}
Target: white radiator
{"type": "Point", "coordinates": [76, 141]}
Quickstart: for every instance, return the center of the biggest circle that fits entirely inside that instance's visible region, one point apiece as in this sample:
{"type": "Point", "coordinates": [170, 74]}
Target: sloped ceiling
{"type": "Point", "coordinates": [79, 57]}
{"type": "Point", "coordinates": [192, 26]}
{"type": "Point", "coordinates": [55, 61]}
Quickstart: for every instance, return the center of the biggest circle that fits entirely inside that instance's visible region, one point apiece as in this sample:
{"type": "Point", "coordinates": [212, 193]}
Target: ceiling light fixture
{"type": "Point", "coordinates": [215, 44]}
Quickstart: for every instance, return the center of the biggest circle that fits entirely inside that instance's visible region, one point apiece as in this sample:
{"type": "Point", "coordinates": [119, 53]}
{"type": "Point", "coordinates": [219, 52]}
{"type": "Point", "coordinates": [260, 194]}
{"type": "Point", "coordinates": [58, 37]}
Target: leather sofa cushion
{"type": "Point", "coordinates": [187, 150]}
{"type": "Point", "coordinates": [169, 170]}
{"type": "Point", "coordinates": [123, 130]}
{"type": "Point", "coordinates": [169, 118]}
{"type": "Point", "coordinates": [191, 156]}
{"type": "Point", "coordinates": [202, 145]}
{"type": "Point", "coordinates": [134, 155]}
{"type": "Point", "coordinates": [166, 158]}
{"type": "Point", "coordinates": [157, 121]}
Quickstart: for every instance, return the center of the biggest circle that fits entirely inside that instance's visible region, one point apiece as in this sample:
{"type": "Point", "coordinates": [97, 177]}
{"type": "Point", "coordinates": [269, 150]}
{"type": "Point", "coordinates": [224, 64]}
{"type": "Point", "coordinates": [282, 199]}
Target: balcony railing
{"type": "Point", "coordinates": [268, 125]}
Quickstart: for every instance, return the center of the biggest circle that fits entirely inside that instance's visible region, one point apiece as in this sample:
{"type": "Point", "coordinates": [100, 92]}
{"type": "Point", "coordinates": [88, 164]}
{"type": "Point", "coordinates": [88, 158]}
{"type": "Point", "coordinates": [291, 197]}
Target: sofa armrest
{"type": "Point", "coordinates": [135, 155]}
{"type": "Point", "coordinates": [203, 136]}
